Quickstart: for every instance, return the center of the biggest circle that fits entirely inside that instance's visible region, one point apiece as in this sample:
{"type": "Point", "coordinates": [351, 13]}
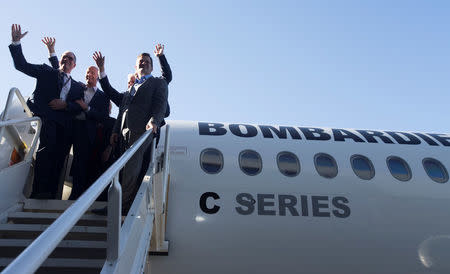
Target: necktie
{"type": "Point", "coordinates": [63, 79]}
{"type": "Point", "coordinates": [140, 80]}
{"type": "Point", "coordinates": [64, 83]}
{"type": "Point", "coordinates": [67, 80]}
{"type": "Point", "coordinates": [137, 82]}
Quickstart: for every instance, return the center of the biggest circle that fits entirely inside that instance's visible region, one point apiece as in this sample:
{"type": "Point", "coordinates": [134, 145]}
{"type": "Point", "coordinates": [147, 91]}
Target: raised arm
{"type": "Point", "coordinates": [50, 43]}
{"type": "Point", "coordinates": [16, 52]}
{"type": "Point", "coordinates": [159, 105]}
{"type": "Point", "coordinates": [166, 72]}
{"type": "Point", "coordinates": [112, 94]}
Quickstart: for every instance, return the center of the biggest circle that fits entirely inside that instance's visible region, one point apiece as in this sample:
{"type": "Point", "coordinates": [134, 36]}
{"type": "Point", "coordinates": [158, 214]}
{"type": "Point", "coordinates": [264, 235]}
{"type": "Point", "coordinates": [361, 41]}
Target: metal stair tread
{"type": "Point", "coordinates": [62, 244]}
{"type": "Point", "coordinates": [52, 216]}
{"type": "Point", "coordinates": [55, 205]}
{"type": "Point", "coordinates": [62, 262]}
{"type": "Point", "coordinates": [41, 227]}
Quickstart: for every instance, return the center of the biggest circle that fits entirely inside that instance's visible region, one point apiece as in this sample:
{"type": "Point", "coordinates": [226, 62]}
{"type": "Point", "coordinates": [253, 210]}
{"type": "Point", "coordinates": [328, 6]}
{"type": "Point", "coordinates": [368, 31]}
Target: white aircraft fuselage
{"type": "Point", "coordinates": [255, 219]}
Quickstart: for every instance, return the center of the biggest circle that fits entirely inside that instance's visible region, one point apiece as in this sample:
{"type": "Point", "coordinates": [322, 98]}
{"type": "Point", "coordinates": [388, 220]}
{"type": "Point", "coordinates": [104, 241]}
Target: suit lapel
{"type": "Point", "coordinates": [69, 92]}
{"type": "Point", "coordinates": [60, 81]}
{"type": "Point", "coordinates": [76, 90]}
{"type": "Point", "coordinates": [94, 97]}
{"type": "Point", "coordinates": [142, 86]}
{"type": "Point", "coordinates": [131, 90]}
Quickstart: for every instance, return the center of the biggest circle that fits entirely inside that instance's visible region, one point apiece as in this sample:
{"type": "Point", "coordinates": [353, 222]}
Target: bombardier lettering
{"type": "Point", "coordinates": [320, 134]}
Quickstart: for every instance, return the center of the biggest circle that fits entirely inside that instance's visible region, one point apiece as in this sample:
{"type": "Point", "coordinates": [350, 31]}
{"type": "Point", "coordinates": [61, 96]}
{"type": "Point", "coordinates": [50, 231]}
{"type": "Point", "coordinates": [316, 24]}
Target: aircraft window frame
{"type": "Point", "coordinates": [405, 164]}
{"type": "Point", "coordinates": [320, 170]}
{"type": "Point", "coordinates": [359, 174]}
{"type": "Point", "coordinates": [441, 167]}
{"type": "Point", "coordinates": [258, 157]}
{"type": "Point", "coordinates": [221, 160]}
{"type": "Point", "coordinates": [298, 167]}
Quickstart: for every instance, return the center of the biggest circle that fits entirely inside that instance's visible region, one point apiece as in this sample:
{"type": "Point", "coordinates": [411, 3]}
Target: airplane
{"type": "Point", "coordinates": [246, 198]}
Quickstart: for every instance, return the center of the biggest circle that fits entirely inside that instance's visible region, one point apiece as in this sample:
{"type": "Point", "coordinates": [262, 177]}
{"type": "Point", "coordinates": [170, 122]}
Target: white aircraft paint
{"type": "Point", "coordinates": [394, 226]}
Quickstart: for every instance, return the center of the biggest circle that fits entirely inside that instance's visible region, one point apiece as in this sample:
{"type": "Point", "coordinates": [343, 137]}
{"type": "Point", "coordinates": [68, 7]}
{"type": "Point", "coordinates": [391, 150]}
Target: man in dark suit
{"type": "Point", "coordinates": [116, 97]}
{"type": "Point", "coordinates": [95, 110]}
{"type": "Point", "coordinates": [143, 107]}
{"type": "Point", "coordinates": [54, 101]}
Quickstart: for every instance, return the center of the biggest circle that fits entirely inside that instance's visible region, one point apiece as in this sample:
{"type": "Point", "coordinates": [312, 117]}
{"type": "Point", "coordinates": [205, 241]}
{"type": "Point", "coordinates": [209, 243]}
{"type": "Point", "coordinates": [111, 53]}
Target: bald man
{"type": "Point", "coordinates": [95, 107]}
{"type": "Point", "coordinates": [86, 128]}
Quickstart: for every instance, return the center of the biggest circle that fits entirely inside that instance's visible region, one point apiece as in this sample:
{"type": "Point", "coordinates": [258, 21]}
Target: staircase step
{"type": "Point", "coordinates": [11, 248]}
{"type": "Point", "coordinates": [48, 218]}
{"type": "Point", "coordinates": [31, 231]}
{"type": "Point", "coordinates": [35, 205]}
{"type": "Point", "coordinates": [67, 266]}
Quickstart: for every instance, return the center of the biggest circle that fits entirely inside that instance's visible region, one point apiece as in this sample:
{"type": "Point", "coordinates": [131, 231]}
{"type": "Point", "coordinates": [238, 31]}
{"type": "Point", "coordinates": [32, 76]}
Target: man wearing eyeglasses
{"type": "Point", "coordinates": [54, 101]}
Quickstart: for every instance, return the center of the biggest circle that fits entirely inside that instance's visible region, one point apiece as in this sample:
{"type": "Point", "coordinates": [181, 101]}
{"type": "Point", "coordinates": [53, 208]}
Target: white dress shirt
{"type": "Point", "coordinates": [66, 86]}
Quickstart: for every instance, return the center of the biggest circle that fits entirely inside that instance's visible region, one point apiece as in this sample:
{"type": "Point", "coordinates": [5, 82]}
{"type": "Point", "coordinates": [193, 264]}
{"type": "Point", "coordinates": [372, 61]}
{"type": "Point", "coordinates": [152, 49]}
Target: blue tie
{"type": "Point", "coordinates": [140, 80]}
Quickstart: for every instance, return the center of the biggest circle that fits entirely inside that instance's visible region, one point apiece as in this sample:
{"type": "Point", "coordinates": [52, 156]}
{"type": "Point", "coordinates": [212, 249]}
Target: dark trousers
{"type": "Point", "coordinates": [130, 175]}
{"type": "Point", "coordinates": [81, 150]}
{"type": "Point", "coordinates": [54, 146]}
{"type": "Point", "coordinates": [147, 158]}
{"type": "Point", "coordinates": [145, 153]}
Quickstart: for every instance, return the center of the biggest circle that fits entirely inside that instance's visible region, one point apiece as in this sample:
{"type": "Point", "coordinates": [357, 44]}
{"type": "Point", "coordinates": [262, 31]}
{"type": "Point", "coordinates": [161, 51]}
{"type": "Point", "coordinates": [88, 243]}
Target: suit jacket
{"type": "Point", "coordinates": [117, 97]}
{"type": "Point", "coordinates": [98, 113]}
{"type": "Point", "coordinates": [148, 104]}
{"type": "Point", "coordinates": [98, 107]}
{"type": "Point", "coordinates": [48, 87]}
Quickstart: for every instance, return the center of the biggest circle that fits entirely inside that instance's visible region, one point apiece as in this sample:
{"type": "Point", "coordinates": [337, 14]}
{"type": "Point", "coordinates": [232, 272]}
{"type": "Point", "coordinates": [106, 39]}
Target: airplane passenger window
{"type": "Point", "coordinates": [362, 167]}
{"type": "Point", "coordinates": [288, 164]}
{"type": "Point", "coordinates": [250, 162]}
{"type": "Point", "coordinates": [211, 160]}
{"type": "Point", "coordinates": [399, 168]}
{"type": "Point", "coordinates": [435, 170]}
{"type": "Point", "coordinates": [325, 165]}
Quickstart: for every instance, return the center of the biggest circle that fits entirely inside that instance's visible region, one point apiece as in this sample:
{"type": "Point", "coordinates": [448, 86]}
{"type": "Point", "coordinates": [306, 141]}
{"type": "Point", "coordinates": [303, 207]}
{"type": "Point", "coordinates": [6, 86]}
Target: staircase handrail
{"type": "Point", "coordinates": [11, 93]}
{"type": "Point", "coordinates": [39, 250]}
{"type": "Point", "coordinates": [4, 114]}
{"type": "Point", "coordinates": [12, 122]}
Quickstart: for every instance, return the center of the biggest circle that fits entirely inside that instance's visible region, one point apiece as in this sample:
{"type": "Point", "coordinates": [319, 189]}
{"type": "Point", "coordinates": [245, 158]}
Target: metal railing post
{"type": "Point", "coordinates": [6, 110]}
{"type": "Point", "coordinates": [166, 163]}
{"type": "Point", "coordinates": [149, 191]}
{"type": "Point", "coordinates": [165, 178]}
{"type": "Point", "coordinates": [114, 219]}
{"type": "Point", "coordinates": [23, 102]}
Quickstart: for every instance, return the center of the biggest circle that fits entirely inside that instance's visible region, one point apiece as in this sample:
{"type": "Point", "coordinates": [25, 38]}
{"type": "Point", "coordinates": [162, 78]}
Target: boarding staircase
{"type": "Point", "coordinates": [83, 249]}
{"type": "Point", "coordinates": [59, 236]}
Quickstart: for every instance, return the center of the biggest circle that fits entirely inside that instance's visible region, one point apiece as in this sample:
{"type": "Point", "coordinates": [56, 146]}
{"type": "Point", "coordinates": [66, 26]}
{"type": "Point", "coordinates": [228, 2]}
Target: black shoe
{"type": "Point", "coordinates": [100, 211]}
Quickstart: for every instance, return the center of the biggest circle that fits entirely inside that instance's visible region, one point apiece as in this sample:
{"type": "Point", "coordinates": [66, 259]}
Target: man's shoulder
{"type": "Point", "coordinates": [102, 94]}
{"type": "Point", "coordinates": [159, 81]}
{"type": "Point", "coordinates": [156, 78]}
{"type": "Point", "coordinates": [47, 70]}
{"type": "Point", "coordinates": [78, 84]}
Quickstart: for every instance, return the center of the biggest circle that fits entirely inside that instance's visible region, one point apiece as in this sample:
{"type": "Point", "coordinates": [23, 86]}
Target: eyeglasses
{"type": "Point", "coordinates": [68, 57]}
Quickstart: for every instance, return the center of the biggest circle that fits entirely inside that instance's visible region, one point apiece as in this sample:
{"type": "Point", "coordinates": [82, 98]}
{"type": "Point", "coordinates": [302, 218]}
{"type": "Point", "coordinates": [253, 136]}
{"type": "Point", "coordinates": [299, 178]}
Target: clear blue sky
{"type": "Point", "coordinates": [348, 64]}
